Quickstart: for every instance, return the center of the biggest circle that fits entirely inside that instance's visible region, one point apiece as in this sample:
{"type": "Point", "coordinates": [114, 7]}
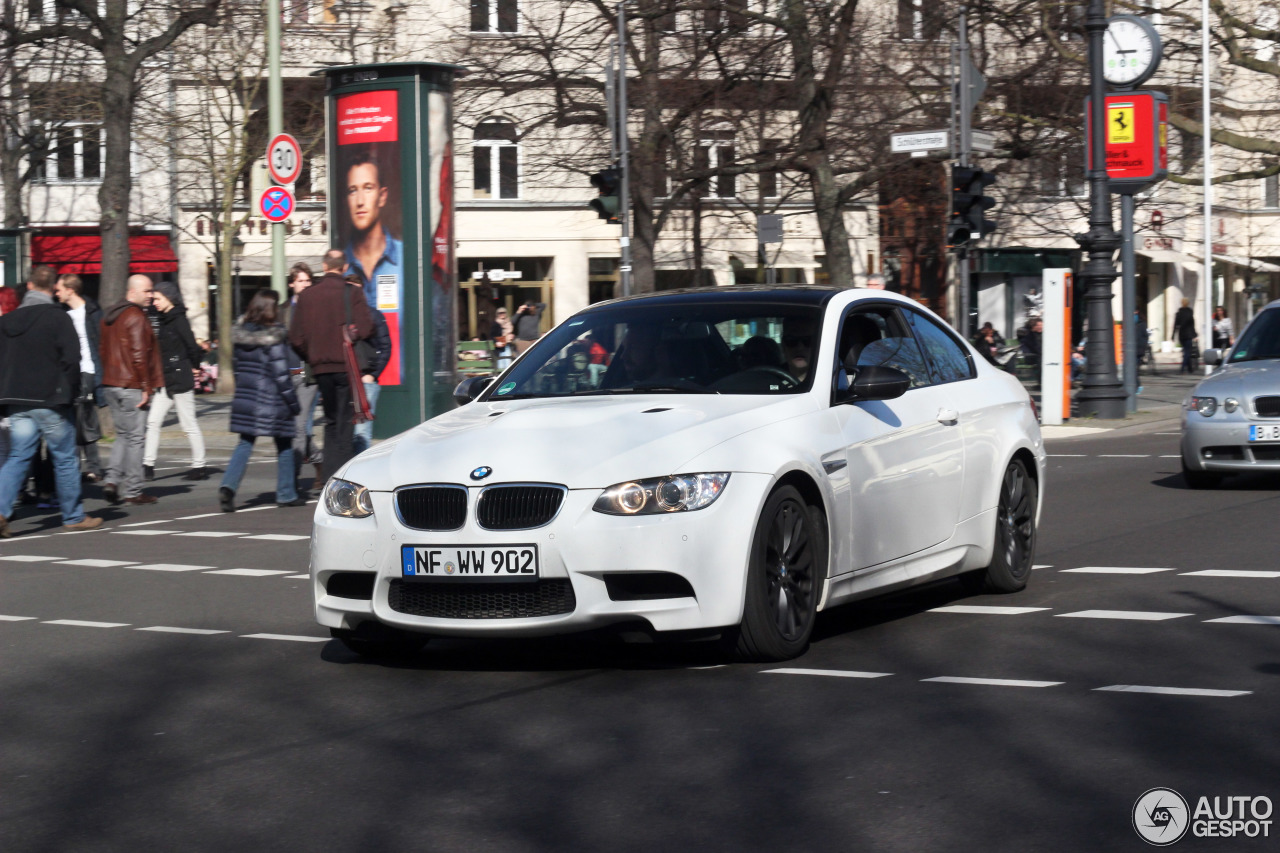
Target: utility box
{"type": "Point", "coordinates": [389, 148]}
{"type": "Point", "coordinates": [1055, 351]}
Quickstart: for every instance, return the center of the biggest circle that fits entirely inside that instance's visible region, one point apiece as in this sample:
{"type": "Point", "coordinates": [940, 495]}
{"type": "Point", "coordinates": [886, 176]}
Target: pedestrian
{"type": "Point", "coordinates": [528, 320]}
{"type": "Point", "coordinates": [179, 359]}
{"type": "Point", "coordinates": [87, 318]}
{"type": "Point", "coordinates": [130, 375]}
{"type": "Point", "coordinates": [1031, 338]}
{"type": "Point", "coordinates": [304, 385]}
{"type": "Point", "coordinates": [39, 381]}
{"type": "Point", "coordinates": [875, 281]}
{"type": "Point", "coordinates": [323, 313]}
{"type": "Point", "coordinates": [1224, 334]}
{"type": "Point", "coordinates": [985, 342]}
{"type": "Point", "coordinates": [373, 354]}
{"type": "Point", "coordinates": [265, 402]}
{"type": "Point", "coordinates": [1184, 331]}
{"type": "Point", "coordinates": [502, 332]}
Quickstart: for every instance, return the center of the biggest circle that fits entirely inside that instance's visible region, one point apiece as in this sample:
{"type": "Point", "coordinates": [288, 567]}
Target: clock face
{"type": "Point", "coordinates": [1130, 51]}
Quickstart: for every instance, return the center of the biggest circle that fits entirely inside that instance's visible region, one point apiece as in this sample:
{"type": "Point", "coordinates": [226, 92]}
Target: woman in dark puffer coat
{"type": "Point", "coordinates": [265, 402]}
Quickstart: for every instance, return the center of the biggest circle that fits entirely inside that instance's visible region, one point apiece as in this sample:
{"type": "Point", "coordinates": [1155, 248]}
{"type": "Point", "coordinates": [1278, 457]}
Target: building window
{"type": "Point", "coordinates": [1271, 191]}
{"type": "Point", "coordinates": [715, 154]}
{"type": "Point", "coordinates": [494, 16]}
{"type": "Point", "coordinates": [497, 160]}
{"type": "Point", "coordinates": [74, 153]}
{"type": "Point", "coordinates": [919, 20]}
{"type": "Point", "coordinates": [728, 18]}
{"type": "Point", "coordinates": [1060, 173]}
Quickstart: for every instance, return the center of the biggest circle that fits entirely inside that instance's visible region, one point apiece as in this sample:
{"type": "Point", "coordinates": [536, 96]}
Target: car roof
{"type": "Point", "coordinates": [757, 294]}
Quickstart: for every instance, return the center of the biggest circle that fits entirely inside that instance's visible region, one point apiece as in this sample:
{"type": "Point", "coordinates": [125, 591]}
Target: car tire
{"type": "Point", "coordinates": [377, 641]}
{"type": "Point", "coordinates": [785, 574]}
{"type": "Point", "coordinates": [1200, 479]}
{"type": "Point", "coordinates": [1014, 549]}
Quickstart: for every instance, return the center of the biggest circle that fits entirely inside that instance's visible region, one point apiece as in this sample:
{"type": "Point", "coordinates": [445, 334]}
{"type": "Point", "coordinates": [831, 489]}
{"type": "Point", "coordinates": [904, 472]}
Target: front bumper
{"type": "Point", "coordinates": [1224, 446]}
{"type": "Point", "coordinates": [709, 548]}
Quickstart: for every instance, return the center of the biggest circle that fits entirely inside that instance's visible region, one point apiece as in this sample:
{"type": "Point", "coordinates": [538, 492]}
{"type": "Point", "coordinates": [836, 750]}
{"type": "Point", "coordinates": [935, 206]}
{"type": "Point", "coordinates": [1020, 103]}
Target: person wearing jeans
{"type": "Point", "coordinates": [377, 350]}
{"type": "Point", "coordinates": [39, 381]}
{"type": "Point", "coordinates": [265, 402]}
{"type": "Point", "coordinates": [130, 373]}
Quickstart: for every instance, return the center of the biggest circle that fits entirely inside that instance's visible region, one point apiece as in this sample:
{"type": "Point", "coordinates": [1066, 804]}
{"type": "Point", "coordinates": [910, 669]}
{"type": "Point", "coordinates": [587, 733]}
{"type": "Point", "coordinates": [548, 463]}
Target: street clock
{"type": "Point", "coordinates": [1130, 51]}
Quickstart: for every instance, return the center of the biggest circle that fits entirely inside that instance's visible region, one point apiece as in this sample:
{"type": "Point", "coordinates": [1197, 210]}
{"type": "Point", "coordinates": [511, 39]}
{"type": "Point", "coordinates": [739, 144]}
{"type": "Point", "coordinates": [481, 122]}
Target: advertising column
{"type": "Point", "coordinates": [390, 149]}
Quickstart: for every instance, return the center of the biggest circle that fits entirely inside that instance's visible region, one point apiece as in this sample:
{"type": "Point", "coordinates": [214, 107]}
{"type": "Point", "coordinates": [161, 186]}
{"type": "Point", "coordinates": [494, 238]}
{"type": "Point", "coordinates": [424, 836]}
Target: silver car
{"type": "Point", "coordinates": [1231, 420]}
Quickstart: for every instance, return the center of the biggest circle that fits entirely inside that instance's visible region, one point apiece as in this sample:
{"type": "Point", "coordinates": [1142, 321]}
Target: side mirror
{"type": "Point", "coordinates": [874, 382]}
{"type": "Point", "coordinates": [470, 388]}
{"type": "Point", "coordinates": [1212, 357]}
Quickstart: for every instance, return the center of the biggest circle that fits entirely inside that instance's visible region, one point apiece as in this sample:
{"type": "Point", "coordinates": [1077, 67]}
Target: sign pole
{"type": "Point", "coordinates": [1129, 302]}
{"type": "Point", "coordinates": [275, 125]}
{"type": "Point", "coordinates": [1206, 284]}
{"type": "Point", "coordinates": [624, 156]}
{"type": "Point", "coordinates": [965, 102]}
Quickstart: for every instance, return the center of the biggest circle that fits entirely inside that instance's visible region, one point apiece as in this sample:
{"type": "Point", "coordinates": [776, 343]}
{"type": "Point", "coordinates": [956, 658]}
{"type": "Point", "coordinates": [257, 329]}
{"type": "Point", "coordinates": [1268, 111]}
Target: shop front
{"type": "Point", "coordinates": [80, 252]}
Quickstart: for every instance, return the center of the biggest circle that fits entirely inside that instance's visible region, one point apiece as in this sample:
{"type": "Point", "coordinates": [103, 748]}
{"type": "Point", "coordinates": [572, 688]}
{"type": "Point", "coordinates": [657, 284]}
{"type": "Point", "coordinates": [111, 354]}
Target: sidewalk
{"type": "Point", "coordinates": [1160, 401]}
{"type": "Point", "coordinates": [214, 414]}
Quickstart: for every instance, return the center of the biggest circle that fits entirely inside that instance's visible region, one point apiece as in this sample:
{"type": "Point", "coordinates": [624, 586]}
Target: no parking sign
{"type": "Point", "coordinates": [276, 204]}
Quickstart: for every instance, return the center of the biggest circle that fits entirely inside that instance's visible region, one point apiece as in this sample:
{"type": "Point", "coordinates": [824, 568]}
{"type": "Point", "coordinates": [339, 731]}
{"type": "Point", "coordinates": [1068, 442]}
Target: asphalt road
{"type": "Point", "coordinates": [118, 733]}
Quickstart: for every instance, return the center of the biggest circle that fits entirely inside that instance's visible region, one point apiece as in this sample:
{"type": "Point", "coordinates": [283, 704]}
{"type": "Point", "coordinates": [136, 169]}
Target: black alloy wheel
{"type": "Point", "coordinates": [1015, 539]}
{"type": "Point", "coordinates": [784, 579]}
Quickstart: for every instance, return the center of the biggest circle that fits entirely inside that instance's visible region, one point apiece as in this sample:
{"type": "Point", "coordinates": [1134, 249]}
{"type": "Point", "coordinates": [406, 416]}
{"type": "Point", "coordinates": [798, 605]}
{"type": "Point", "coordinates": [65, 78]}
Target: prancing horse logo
{"type": "Point", "coordinates": [481, 472]}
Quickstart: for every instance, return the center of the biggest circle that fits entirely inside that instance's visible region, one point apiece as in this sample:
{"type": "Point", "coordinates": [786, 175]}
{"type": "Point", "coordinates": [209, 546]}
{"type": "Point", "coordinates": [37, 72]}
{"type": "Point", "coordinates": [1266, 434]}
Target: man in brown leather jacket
{"type": "Point", "coordinates": [130, 373]}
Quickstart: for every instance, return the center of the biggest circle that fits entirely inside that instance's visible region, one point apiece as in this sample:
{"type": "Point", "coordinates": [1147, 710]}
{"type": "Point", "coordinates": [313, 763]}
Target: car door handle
{"type": "Point", "coordinates": [948, 416]}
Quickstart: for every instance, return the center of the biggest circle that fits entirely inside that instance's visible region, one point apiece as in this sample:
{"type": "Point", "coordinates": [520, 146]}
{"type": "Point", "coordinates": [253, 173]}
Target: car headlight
{"type": "Point", "coordinates": [679, 493]}
{"type": "Point", "coordinates": [349, 500]}
{"type": "Point", "coordinates": [1206, 406]}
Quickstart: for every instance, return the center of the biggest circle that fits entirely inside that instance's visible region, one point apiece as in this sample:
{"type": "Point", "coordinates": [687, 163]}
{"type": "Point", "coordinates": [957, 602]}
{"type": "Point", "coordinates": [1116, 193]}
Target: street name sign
{"type": "Point", "coordinates": [920, 140]}
{"type": "Point", "coordinates": [982, 140]}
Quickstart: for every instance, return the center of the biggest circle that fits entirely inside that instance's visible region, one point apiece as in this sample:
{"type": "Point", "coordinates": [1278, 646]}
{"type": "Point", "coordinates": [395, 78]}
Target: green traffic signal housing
{"type": "Point", "coordinates": [608, 183]}
{"type": "Point", "coordinates": [969, 203]}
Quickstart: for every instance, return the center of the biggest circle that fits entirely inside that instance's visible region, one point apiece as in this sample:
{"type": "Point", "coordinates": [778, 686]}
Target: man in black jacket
{"type": "Point", "coordinates": [39, 382]}
{"type": "Point", "coordinates": [86, 316]}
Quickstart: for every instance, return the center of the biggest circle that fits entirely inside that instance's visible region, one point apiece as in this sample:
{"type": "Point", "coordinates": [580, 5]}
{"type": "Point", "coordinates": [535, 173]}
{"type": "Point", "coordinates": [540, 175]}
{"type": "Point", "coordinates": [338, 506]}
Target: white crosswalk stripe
{"type": "Point", "coordinates": [1114, 570]}
{"type": "Point", "coordinates": [169, 567]}
{"type": "Point", "coordinates": [1231, 573]}
{"type": "Point", "coordinates": [28, 558]}
{"type": "Point", "coordinates": [833, 673]}
{"type": "Point", "coordinates": [1247, 620]}
{"type": "Point", "coordinates": [991, 682]}
{"type": "Point", "coordinates": [1171, 691]}
{"type": "Point", "coordinates": [987, 610]}
{"type": "Point", "coordinates": [289, 637]}
{"type": "Point", "coordinates": [250, 573]}
{"type": "Point", "coordinates": [1136, 615]}
{"type": "Point", "coordinates": [167, 629]}
{"type": "Point", "coordinates": [82, 623]}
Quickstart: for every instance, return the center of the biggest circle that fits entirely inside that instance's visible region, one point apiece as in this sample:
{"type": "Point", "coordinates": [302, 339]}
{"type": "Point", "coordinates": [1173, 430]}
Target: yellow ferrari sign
{"type": "Point", "coordinates": [1120, 124]}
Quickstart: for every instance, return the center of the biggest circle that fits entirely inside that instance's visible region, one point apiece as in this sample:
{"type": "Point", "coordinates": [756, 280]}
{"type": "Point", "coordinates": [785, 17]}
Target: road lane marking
{"type": "Point", "coordinates": [147, 532]}
{"type": "Point", "coordinates": [291, 637]}
{"type": "Point", "coordinates": [28, 558]}
{"type": "Point", "coordinates": [249, 573]}
{"type": "Point", "coordinates": [98, 564]}
{"type": "Point", "coordinates": [278, 537]}
{"type": "Point", "coordinates": [201, 515]}
{"type": "Point", "coordinates": [1115, 570]}
{"type": "Point", "coordinates": [1171, 456]}
{"type": "Point", "coordinates": [1138, 615]}
{"type": "Point", "coordinates": [1166, 433]}
{"type": "Point", "coordinates": [834, 673]}
{"type": "Point", "coordinates": [985, 609]}
{"type": "Point", "coordinates": [144, 523]}
{"type": "Point", "coordinates": [17, 618]}
{"type": "Point", "coordinates": [1247, 620]}
{"type": "Point", "coordinates": [297, 577]}
{"type": "Point", "coordinates": [1172, 691]}
{"type": "Point", "coordinates": [1124, 455]}
{"type": "Point", "coordinates": [170, 567]}
{"type": "Point", "coordinates": [80, 623]}
{"type": "Point", "coordinates": [1042, 567]}
{"type": "Point", "coordinates": [166, 629]}
{"type": "Point", "coordinates": [211, 534]}
{"type": "Point", "coordinates": [257, 508]}
{"type": "Point", "coordinates": [1231, 573]}
{"type": "Point", "coordinates": [992, 682]}
{"type": "Point", "coordinates": [1066, 455]}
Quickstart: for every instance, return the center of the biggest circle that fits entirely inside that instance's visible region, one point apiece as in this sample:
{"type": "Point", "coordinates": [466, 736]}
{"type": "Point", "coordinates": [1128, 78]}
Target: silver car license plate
{"type": "Point", "coordinates": [469, 562]}
{"type": "Point", "coordinates": [1264, 432]}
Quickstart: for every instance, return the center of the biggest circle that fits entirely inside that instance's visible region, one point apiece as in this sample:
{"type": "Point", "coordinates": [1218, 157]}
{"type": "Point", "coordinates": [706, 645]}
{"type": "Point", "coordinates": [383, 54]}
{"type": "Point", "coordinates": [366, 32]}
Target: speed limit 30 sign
{"type": "Point", "coordinates": [284, 158]}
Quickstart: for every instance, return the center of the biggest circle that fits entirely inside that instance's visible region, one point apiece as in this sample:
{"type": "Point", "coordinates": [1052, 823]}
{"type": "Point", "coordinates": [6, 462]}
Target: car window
{"type": "Point", "coordinates": [951, 362]}
{"type": "Point", "coordinates": [877, 335]}
{"type": "Point", "coordinates": [632, 348]}
{"type": "Point", "coordinates": [1261, 338]}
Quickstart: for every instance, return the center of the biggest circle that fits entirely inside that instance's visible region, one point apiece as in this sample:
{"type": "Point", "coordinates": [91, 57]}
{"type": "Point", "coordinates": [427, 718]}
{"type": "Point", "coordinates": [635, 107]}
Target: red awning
{"type": "Point", "coordinates": [82, 253]}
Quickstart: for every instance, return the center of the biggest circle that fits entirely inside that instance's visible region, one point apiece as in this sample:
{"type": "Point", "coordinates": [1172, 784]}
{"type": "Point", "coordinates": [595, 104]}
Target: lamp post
{"type": "Point", "coordinates": [1103, 394]}
{"type": "Point", "coordinates": [237, 252]}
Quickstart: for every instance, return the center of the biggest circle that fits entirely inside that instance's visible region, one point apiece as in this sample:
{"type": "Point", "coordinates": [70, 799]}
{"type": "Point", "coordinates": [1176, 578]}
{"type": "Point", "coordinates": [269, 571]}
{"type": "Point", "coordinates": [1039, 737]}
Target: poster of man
{"type": "Point", "coordinates": [368, 208]}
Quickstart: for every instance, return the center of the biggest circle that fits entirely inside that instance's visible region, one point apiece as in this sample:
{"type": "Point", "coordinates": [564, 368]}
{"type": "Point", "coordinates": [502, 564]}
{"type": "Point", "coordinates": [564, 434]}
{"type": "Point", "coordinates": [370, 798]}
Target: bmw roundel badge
{"type": "Point", "coordinates": [481, 472]}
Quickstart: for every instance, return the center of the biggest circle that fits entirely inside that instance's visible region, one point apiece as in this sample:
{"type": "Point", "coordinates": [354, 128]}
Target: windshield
{"type": "Point", "coordinates": [690, 348]}
{"type": "Point", "coordinates": [1260, 340]}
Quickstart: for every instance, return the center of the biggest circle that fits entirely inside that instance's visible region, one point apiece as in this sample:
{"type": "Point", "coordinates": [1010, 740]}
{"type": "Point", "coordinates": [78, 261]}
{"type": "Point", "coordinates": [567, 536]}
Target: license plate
{"type": "Point", "coordinates": [469, 562]}
{"type": "Point", "coordinates": [1264, 432]}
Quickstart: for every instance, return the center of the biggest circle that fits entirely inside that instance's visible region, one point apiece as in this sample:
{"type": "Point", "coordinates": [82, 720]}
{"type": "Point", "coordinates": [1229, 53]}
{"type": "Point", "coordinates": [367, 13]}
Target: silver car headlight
{"type": "Point", "coordinates": [349, 500]}
{"type": "Point", "coordinates": [678, 493]}
{"type": "Point", "coordinates": [1206, 406]}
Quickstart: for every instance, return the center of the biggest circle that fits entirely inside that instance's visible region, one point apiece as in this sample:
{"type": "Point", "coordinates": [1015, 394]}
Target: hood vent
{"type": "Point", "coordinates": [655, 411]}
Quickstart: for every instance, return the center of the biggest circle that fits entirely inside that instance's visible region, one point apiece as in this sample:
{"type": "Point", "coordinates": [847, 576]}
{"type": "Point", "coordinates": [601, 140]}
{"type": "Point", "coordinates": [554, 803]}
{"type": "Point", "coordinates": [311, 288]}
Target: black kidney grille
{"type": "Point", "coordinates": [518, 507]}
{"type": "Point", "coordinates": [1267, 407]}
{"type": "Point", "coordinates": [433, 507]}
{"type": "Point", "coordinates": [483, 599]}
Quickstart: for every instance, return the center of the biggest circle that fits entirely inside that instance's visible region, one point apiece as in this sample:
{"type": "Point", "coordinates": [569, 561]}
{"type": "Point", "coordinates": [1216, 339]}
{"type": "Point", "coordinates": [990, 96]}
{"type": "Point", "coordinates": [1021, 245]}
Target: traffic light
{"type": "Point", "coordinates": [968, 206]}
{"type": "Point", "coordinates": [607, 182]}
